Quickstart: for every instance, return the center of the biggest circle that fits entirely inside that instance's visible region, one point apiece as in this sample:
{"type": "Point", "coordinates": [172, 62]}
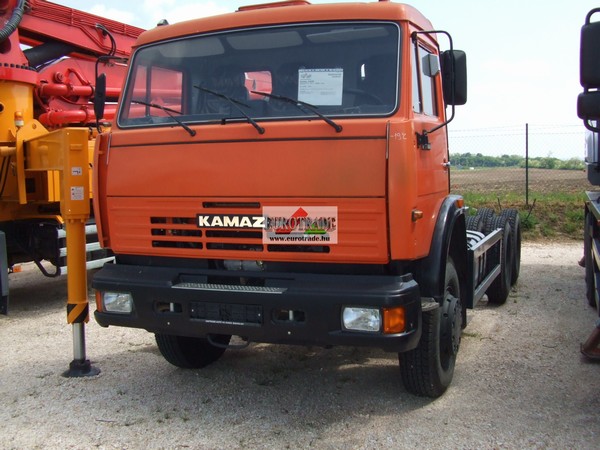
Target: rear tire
{"type": "Point", "coordinates": [427, 370]}
{"type": "Point", "coordinates": [486, 215]}
{"type": "Point", "coordinates": [474, 223]}
{"type": "Point", "coordinates": [514, 220]}
{"type": "Point", "coordinates": [498, 291]}
{"type": "Point", "coordinates": [191, 352]}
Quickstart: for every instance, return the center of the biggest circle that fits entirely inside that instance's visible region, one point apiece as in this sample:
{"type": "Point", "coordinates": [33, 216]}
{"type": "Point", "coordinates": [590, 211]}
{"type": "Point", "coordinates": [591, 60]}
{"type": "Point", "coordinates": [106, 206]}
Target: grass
{"type": "Point", "coordinates": [547, 215]}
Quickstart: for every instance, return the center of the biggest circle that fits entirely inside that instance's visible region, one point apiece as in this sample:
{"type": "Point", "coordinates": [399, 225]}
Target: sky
{"type": "Point", "coordinates": [522, 58]}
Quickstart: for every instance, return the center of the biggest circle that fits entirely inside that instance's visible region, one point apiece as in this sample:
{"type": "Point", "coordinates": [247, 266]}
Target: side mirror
{"type": "Point", "coordinates": [589, 56]}
{"type": "Point", "coordinates": [100, 96]}
{"type": "Point", "coordinates": [588, 105]}
{"type": "Point", "coordinates": [454, 76]}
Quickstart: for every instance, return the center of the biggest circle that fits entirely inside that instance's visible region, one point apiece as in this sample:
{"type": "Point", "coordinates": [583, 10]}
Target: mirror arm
{"type": "Point", "coordinates": [100, 87]}
{"type": "Point", "coordinates": [422, 138]}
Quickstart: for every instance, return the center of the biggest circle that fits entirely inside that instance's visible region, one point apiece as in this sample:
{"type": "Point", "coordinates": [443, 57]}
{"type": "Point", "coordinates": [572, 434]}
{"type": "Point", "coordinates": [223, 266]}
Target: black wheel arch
{"type": "Point", "coordinates": [449, 239]}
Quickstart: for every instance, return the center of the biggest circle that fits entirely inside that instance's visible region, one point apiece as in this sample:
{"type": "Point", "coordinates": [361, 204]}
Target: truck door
{"type": "Point", "coordinates": [428, 113]}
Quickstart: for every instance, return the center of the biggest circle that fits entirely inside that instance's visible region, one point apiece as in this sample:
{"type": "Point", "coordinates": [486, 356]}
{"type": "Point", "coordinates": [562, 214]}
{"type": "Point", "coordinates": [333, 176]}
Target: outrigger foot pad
{"type": "Point", "coordinates": [589, 348]}
{"type": "Point", "coordinates": [81, 368]}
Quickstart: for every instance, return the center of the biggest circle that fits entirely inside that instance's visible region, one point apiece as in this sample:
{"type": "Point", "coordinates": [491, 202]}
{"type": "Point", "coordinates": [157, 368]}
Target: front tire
{"type": "Point", "coordinates": [427, 370]}
{"type": "Point", "coordinates": [191, 352]}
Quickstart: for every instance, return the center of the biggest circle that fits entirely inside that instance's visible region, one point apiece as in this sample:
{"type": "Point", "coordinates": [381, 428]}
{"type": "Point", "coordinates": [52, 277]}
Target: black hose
{"type": "Point", "coordinates": [113, 43]}
{"type": "Point", "coordinates": [46, 52]}
{"type": "Point", "coordinates": [13, 22]}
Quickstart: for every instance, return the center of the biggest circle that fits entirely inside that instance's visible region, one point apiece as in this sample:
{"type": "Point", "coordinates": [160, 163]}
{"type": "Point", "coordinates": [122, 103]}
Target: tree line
{"type": "Point", "coordinates": [468, 160]}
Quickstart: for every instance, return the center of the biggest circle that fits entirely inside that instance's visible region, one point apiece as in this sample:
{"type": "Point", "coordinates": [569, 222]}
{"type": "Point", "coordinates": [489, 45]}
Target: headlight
{"type": "Point", "coordinates": [361, 319]}
{"type": "Point", "coordinates": [117, 302]}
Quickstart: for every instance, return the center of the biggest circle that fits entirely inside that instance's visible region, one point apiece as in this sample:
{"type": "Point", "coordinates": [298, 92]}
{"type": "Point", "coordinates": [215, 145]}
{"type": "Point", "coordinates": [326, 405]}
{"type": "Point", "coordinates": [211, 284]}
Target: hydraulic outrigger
{"type": "Point", "coordinates": [49, 55]}
{"type": "Point", "coordinates": [66, 151]}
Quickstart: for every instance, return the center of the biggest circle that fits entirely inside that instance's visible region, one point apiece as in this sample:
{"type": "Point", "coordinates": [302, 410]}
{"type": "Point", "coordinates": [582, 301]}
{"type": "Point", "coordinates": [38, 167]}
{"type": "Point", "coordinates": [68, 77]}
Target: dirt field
{"type": "Point", "coordinates": [520, 382]}
{"type": "Point", "coordinates": [514, 180]}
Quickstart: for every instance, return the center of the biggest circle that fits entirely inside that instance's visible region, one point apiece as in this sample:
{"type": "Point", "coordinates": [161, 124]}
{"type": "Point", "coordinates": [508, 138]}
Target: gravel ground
{"type": "Point", "coordinates": [520, 381]}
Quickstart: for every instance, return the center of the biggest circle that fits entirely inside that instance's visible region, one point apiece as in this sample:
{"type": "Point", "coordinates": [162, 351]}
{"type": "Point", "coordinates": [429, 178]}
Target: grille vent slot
{"type": "Point", "coordinates": [175, 232]}
{"type": "Point", "coordinates": [233, 246]}
{"type": "Point", "coordinates": [299, 248]}
{"type": "Point", "coordinates": [233, 234]}
{"type": "Point", "coordinates": [231, 205]}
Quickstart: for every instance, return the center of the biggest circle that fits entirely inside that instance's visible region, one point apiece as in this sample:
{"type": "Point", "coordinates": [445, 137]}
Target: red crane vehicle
{"type": "Point", "coordinates": [49, 57]}
{"type": "Point", "coordinates": [291, 186]}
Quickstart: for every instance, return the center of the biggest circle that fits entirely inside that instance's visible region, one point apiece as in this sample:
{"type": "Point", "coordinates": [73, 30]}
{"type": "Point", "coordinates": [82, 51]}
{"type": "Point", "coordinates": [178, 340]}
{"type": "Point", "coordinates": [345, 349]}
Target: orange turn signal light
{"type": "Point", "coordinates": [394, 320]}
{"type": "Point", "coordinates": [99, 305]}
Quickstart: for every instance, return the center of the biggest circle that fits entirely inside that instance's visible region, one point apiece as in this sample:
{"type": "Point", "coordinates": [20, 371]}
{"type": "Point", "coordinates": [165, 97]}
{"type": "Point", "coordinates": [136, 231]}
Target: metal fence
{"type": "Point", "coordinates": [550, 160]}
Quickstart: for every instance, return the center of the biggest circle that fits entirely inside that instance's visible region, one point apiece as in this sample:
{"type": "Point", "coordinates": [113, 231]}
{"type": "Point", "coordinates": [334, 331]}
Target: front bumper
{"type": "Point", "coordinates": [288, 308]}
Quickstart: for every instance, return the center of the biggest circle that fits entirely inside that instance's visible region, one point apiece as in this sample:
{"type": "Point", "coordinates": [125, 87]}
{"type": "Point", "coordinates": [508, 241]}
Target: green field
{"type": "Point", "coordinates": [552, 207]}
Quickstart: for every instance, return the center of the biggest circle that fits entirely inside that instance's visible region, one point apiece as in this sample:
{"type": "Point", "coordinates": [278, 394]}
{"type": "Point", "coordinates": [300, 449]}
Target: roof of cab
{"type": "Point", "coordinates": [287, 12]}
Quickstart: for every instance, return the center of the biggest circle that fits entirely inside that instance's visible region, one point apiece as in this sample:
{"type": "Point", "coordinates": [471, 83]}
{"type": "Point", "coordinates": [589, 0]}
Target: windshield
{"type": "Point", "coordinates": [299, 71]}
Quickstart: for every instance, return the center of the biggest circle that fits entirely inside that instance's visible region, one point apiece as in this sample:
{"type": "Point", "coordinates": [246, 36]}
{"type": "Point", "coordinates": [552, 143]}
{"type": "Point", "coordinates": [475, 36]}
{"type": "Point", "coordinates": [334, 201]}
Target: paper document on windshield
{"type": "Point", "coordinates": [321, 86]}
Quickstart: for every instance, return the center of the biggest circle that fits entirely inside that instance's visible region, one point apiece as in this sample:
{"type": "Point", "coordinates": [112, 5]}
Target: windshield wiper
{"type": "Point", "coordinates": [168, 111]}
{"type": "Point", "coordinates": [301, 105]}
{"type": "Point", "coordinates": [236, 104]}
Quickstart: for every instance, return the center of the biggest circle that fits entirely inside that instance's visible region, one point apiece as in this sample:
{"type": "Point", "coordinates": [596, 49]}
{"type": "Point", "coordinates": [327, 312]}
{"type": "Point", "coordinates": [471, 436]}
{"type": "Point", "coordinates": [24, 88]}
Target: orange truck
{"type": "Point", "coordinates": [281, 174]}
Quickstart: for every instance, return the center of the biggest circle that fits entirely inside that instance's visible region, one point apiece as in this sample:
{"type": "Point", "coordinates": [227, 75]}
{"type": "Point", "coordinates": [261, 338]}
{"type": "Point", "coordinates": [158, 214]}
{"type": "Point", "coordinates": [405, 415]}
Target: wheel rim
{"type": "Point", "coordinates": [451, 329]}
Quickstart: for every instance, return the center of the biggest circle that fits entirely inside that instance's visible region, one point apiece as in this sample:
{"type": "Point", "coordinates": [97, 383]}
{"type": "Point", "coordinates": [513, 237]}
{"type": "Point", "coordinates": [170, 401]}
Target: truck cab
{"type": "Point", "coordinates": [281, 173]}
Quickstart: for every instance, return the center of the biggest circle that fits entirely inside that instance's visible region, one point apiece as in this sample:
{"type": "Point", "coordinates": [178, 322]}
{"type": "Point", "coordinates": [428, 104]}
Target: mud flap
{"type": "Point", "coordinates": [3, 275]}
